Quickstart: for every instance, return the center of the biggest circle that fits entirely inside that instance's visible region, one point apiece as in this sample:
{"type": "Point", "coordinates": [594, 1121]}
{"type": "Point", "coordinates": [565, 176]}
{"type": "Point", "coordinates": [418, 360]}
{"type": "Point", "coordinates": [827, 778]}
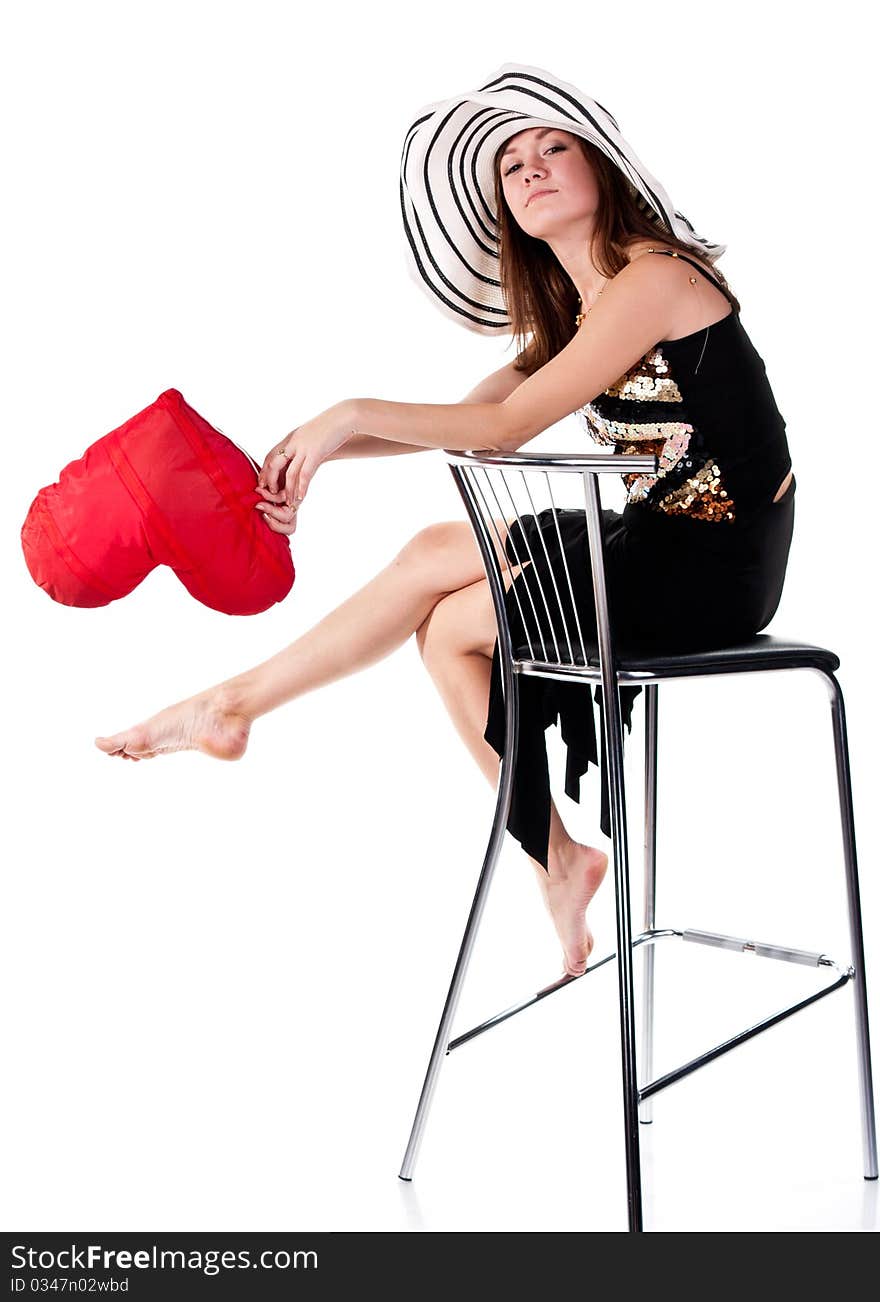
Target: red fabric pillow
{"type": "Point", "coordinates": [165, 488]}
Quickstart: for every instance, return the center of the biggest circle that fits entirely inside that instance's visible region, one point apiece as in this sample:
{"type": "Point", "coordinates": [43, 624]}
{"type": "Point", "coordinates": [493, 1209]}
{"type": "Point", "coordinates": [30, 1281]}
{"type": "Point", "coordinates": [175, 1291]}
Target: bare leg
{"type": "Point", "coordinates": [375, 621]}
{"type": "Point", "coordinates": [439, 563]}
{"type": "Point", "coordinates": [456, 642]}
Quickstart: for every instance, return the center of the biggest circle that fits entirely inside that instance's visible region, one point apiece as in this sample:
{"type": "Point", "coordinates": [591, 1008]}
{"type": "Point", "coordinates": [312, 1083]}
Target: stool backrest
{"type": "Point", "coordinates": [561, 492]}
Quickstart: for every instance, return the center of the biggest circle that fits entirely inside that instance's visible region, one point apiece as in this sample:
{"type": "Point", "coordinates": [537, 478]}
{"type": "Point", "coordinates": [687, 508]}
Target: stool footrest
{"type": "Point", "coordinates": [787, 955]}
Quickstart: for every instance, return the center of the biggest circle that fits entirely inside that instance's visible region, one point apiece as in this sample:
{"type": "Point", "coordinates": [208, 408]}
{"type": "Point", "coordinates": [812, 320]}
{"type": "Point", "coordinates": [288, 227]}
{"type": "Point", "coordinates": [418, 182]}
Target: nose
{"type": "Point", "coordinates": [538, 176]}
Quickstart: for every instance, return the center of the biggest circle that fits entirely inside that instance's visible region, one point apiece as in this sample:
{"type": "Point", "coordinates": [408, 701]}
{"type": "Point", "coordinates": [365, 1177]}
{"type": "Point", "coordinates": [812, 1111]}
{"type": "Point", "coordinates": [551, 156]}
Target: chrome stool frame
{"type": "Point", "coordinates": [764, 653]}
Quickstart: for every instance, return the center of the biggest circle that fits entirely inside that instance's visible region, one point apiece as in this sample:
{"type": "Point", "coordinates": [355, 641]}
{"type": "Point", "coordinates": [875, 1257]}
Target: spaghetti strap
{"type": "Point", "coordinates": [674, 253]}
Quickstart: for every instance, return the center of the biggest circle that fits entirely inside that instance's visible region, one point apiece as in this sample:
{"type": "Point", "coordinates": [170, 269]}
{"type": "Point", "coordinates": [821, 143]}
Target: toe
{"type": "Point", "coordinates": [125, 744]}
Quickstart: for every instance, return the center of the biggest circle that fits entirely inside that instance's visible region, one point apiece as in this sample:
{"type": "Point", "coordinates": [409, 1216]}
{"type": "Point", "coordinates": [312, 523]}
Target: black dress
{"type": "Point", "coordinates": [697, 558]}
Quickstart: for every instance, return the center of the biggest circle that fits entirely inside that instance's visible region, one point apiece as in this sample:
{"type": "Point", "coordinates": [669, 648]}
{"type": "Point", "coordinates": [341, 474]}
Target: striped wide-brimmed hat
{"type": "Point", "coordinates": [447, 187]}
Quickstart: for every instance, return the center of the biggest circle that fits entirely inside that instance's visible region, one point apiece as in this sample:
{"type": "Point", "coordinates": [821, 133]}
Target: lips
{"type": "Point", "coordinates": [537, 194]}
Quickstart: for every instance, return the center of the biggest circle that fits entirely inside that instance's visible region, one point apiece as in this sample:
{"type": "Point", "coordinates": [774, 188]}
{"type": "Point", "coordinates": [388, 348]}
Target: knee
{"type": "Point", "coordinates": [432, 544]}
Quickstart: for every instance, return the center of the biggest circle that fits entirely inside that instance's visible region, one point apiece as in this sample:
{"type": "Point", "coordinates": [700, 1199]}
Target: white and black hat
{"type": "Point", "coordinates": [447, 189]}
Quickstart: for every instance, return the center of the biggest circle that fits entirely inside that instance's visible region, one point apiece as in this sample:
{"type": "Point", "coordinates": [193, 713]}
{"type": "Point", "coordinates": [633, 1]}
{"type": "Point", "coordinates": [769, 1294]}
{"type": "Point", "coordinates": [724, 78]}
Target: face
{"type": "Point", "coordinates": [539, 159]}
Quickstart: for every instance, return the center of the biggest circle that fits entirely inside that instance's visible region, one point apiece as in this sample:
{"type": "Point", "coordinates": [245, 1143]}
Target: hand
{"type": "Point", "coordinates": [278, 516]}
{"type": "Point", "coordinates": [274, 461]}
{"type": "Point", "coordinates": [291, 464]}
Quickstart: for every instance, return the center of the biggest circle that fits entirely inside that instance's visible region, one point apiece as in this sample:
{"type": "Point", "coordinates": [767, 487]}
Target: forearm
{"type": "Point", "coordinates": [459, 426]}
{"type": "Point", "coordinates": [367, 445]}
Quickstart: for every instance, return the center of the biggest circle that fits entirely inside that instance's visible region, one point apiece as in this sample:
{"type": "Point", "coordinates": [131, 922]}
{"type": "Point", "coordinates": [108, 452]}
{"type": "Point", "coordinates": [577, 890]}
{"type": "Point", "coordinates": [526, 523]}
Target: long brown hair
{"type": "Point", "coordinates": [540, 297]}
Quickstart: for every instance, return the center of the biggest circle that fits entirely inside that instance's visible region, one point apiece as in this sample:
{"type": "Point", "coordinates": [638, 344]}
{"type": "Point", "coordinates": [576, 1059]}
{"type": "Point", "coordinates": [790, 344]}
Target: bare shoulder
{"type": "Point", "coordinates": [694, 302]}
{"type": "Point", "coordinates": [656, 285]}
{"type": "Point", "coordinates": [639, 247]}
{"type": "Point", "coordinates": [643, 265]}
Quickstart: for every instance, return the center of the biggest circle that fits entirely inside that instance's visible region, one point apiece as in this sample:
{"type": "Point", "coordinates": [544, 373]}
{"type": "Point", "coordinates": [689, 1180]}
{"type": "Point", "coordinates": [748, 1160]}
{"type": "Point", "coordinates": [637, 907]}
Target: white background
{"type": "Point", "coordinates": [223, 980]}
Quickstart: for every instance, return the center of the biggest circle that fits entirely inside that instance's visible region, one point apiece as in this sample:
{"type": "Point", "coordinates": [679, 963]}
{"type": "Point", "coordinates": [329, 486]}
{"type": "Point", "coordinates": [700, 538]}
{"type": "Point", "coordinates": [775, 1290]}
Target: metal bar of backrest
{"type": "Point", "coordinates": [465, 468]}
{"type": "Point", "coordinates": [484, 480]}
{"type": "Point", "coordinates": [481, 480]}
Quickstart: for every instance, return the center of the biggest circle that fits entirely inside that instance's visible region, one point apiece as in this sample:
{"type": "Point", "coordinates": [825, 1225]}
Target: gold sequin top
{"type": "Point", "coordinates": [703, 405]}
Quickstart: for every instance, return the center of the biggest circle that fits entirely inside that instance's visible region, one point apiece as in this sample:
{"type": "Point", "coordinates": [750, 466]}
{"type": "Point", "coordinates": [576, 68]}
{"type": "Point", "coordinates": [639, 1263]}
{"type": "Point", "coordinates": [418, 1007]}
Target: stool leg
{"type": "Point", "coordinates": [611, 723]}
{"type": "Point", "coordinates": [844, 784]}
{"type": "Point", "coordinates": [612, 732]}
{"type": "Point", "coordinates": [646, 1115]}
{"type": "Point", "coordinates": [496, 838]}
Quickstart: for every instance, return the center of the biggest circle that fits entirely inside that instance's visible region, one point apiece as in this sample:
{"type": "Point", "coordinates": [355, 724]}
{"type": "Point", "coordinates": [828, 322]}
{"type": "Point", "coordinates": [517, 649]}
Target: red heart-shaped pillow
{"type": "Point", "coordinates": [165, 488]}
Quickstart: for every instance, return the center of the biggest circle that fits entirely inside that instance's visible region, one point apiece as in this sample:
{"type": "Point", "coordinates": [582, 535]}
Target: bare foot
{"type": "Point", "coordinates": [206, 722]}
{"type": "Point", "coordinates": [574, 877]}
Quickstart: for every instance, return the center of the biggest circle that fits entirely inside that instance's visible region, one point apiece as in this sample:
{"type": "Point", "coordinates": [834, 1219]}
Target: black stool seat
{"type": "Point", "coordinates": [762, 651]}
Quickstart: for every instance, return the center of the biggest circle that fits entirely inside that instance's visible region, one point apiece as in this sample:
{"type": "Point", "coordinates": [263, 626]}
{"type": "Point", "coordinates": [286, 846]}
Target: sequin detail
{"type": "Point", "coordinates": [648, 380]}
{"type": "Point", "coordinates": [627, 416]}
{"type": "Point", "coordinates": [700, 497]}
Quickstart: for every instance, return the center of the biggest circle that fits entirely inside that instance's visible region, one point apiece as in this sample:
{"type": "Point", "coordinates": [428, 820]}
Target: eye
{"type": "Point", "coordinates": [515, 165]}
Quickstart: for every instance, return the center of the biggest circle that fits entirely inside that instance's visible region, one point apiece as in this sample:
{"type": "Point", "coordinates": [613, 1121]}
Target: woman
{"type": "Point", "coordinates": [576, 220]}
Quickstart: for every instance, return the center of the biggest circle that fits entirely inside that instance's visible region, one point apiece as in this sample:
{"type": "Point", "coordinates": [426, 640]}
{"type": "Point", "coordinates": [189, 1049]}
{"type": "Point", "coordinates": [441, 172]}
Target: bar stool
{"type": "Point", "coordinates": [485, 482]}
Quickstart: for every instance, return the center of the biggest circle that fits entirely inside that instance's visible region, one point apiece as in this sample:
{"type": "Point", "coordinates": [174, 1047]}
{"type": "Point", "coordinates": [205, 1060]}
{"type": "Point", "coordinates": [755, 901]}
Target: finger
{"type": "Point", "coordinates": [277, 510]}
{"type": "Point", "coordinates": [297, 482]}
{"type": "Point", "coordinates": [270, 478]}
{"type": "Point", "coordinates": [274, 461]}
{"type": "Point", "coordinates": [300, 488]}
{"type": "Point", "coordinates": [277, 464]}
{"type": "Point", "coordinates": [278, 515]}
{"type": "Point", "coordinates": [274, 497]}
{"type": "Point", "coordinates": [268, 511]}
{"type": "Point", "coordinates": [285, 480]}
{"type": "Point", "coordinates": [280, 526]}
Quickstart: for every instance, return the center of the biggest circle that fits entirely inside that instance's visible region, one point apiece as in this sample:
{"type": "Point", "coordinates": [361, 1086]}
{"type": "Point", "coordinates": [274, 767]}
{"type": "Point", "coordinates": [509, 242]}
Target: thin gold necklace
{"type": "Point", "coordinates": [580, 316]}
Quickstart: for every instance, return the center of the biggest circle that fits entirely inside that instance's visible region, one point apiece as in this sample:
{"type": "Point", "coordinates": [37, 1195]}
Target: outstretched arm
{"type": "Point", "coordinates": [494, 388]}
{"type": "Point", "coordinates": [366, 445]}
{"type": "Point", "coordinates": [634, 314]}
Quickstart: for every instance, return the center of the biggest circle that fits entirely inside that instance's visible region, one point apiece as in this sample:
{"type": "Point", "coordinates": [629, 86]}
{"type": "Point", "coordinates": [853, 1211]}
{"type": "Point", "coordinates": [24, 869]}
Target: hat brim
{"type": "Point", "coordinates": [447, 185]}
